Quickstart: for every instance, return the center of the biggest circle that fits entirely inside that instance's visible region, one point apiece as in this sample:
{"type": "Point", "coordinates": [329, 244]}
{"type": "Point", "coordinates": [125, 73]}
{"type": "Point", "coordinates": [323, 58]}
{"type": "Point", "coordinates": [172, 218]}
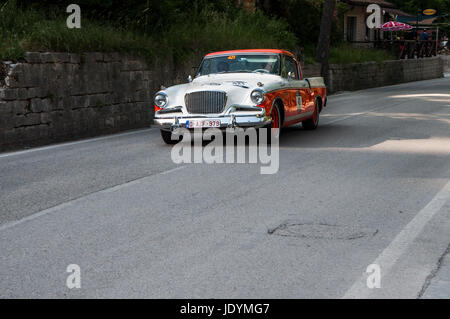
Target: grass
{"type": "Point", "coordinates": [24, 30]}
{"type": "Point", "coordinates": [32, 29]}
{"type": "Point", "coordinates": [346, 54]}
{"type": "Point", "coordinates": [220, 32]}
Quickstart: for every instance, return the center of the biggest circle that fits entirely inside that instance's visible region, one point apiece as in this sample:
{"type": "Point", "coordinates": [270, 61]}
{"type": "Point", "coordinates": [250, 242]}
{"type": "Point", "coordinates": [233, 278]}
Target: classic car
{"type": "Point", "coordinates": [242, 88]}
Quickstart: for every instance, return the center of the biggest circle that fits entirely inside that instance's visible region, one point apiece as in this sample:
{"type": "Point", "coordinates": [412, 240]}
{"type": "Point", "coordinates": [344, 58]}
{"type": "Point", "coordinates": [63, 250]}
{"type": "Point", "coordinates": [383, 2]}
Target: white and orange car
{"type": "Point", "coordinates": [242, 88]}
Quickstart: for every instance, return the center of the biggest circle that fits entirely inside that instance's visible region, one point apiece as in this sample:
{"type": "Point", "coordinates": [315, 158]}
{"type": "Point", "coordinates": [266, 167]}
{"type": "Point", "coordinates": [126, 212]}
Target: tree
{"type": "Point", "coordinates": [323, 46]}
{"type": "Point", "coordinates": [412, 6]}
{"type": "Point", "coordinates": [303, 17]}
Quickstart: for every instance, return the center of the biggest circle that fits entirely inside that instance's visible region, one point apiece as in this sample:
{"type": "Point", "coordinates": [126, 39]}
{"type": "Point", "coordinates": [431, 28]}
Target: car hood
{"type": "Point", "coordinates": [238, 87]}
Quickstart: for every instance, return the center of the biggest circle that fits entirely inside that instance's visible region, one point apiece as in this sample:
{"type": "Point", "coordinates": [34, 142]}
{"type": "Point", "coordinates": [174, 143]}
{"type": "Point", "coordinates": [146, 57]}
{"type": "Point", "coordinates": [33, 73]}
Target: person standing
{"type": "Point", "coordinates": [424, 36]}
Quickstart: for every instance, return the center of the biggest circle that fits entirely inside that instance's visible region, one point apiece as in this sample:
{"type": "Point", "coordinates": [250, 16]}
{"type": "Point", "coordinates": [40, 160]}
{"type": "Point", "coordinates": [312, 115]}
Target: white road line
{"type": "Point", "coordinates": [387, 259]}
{"type": "Point", "coordinates": [346, 117]}
{"type": "Point", "coordinates": [130, 183]}
{"type": "Point", "coordinates": [44, 148]}
{"type": "Point", "coordinates": [150, 129]}
{"type": "Point", "coordinates": [390, 106]}
{"type": "Point", "coordinates": [378, 88]}
{"type": "Point", "coordinates": [345, 94]}
{"type": "Point", "coordinates": [78, 199]}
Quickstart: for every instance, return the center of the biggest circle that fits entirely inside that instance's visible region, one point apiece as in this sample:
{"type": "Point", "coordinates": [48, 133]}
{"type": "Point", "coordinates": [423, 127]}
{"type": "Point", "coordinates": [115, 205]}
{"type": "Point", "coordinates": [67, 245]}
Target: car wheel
{"type": "Point", "coordinates": [167, 138]}
{"type": "Point", "coordinates": [276, 121]}
{"type": "Point", "coordinates": [313, 122]}
{"type": "Point", "coordinates": [275, 127]}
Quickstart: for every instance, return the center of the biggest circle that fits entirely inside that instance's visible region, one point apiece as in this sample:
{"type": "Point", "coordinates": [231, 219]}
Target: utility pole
{"type": "Point", "coordinates": [323, 46]}
{"type": "Point", "coordinates": [417, 22]}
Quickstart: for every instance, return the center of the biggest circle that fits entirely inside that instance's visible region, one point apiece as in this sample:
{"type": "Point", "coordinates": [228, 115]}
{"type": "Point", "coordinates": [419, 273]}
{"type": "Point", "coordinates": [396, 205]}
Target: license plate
{"type": "Point", "coordinates": [202, 123]}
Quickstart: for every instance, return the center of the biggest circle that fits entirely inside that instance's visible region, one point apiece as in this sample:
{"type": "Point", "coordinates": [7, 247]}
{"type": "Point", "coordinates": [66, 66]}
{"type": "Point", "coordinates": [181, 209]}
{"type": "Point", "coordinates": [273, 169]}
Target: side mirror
{"type": "Point", "coordinates": [291, 76]}
{"type": "Point", "coordinates": [189, 78]}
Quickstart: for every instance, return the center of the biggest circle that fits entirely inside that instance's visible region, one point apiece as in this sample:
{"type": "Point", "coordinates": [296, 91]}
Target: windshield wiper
{"type": "Point", "coordinates": [237, 71]}
{"type": "Point", "coordinates": [241, 71]}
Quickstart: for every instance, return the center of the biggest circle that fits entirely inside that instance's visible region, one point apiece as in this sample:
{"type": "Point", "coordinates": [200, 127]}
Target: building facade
{"type": "Point", "coordinates": [355, 27]}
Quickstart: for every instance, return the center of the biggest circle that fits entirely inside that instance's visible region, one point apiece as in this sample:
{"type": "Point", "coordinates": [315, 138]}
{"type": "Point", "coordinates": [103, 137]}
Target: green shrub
{"type": "Point", "coordinates": [214, 31]}
{"type": "Point", "coordinates": [178, 34]}
{"type": "Point", "coordinates": [31, 29]}
{"type": "Point", "coordinates": [345, 54]}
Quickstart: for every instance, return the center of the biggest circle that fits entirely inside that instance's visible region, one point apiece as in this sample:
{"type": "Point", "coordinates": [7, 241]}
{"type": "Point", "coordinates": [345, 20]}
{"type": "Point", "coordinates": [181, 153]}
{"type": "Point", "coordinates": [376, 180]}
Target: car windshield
{"type": "Point", "coordinates": [241, 63]}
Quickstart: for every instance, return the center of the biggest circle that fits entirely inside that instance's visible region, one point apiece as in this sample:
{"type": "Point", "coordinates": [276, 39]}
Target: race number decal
{"type": "Point", "coordinates": [299, 101]}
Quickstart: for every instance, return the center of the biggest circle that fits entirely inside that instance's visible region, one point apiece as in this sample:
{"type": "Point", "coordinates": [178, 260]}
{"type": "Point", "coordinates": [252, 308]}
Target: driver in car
{"type": "Point", "coordinates": [223, 67]}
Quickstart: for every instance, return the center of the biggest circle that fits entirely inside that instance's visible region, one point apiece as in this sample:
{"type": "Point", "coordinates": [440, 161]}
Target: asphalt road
{"type": "Point", "coordinates": [370, 186]}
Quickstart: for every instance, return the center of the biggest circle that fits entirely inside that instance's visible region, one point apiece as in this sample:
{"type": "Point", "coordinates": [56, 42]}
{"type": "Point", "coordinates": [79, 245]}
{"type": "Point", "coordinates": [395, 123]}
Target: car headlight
{"type": "Point", "coordinates": [161, 100]}
{"type": "Point", "coordinates": [258, 96]}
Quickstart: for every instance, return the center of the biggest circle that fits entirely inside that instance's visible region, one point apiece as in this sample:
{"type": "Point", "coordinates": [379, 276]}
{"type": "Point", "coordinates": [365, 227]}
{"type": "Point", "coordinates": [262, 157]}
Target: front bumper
{"type": "Point", "coordinates": [226, 121]}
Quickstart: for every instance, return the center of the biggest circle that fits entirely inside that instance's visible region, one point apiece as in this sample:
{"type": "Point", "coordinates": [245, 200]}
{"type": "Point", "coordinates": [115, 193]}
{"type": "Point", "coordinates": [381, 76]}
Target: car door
{"type": "Point", "coordinates": [290, 72]}
{"type": "Point", "coordinates": [299, 92]}
{"type": "Point", "coordinates": [309, 104]}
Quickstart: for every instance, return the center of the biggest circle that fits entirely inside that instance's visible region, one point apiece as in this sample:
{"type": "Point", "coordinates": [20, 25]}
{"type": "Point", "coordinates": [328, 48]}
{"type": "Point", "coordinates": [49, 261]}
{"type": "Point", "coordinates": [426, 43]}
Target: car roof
{"type": "Point", "coordinates": [276, 51]}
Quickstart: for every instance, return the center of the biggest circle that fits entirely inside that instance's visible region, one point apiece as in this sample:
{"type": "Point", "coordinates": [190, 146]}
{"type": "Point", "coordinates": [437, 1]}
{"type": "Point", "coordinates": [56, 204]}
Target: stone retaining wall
{"type": "Point", "coordinates": [311, 70]}
{"type": "Point", "coordinates": [446, 59]}
{"type": "Point", "coordinates": [52, 97]}
{"type": "Point", "coordinates": [358, 76]}
{"type": "Point", "coordinates": [57, 96]}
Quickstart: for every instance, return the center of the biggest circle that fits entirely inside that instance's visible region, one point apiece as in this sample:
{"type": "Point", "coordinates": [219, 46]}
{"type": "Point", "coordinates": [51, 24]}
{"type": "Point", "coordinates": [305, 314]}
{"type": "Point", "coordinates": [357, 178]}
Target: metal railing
{"type": "Point", "coordinates": [410, 49]}
{"type": "Point", "coordinates": [405, 49]}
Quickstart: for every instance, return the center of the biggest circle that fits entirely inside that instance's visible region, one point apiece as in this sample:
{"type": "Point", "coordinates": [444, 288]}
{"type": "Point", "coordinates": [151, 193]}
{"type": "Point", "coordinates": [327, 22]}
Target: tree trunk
{"type": "Point", "coordinates": [323, 47]}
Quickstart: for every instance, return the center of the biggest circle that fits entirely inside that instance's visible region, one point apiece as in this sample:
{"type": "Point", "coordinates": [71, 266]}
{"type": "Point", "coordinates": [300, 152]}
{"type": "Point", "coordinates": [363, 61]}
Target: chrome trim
{"type": "Point", "coordinates": [232, 122]}
{"type": "Point", "coordinates": [247, 108]}
{"type": "Point", "coordinates": [299, 116]}
{"type": "Point", "coordinates": [225, 121]}
{"type": "Point", "coordinates": [275, 101]}
{"type": "Point", "coordinates": [309, 86]}
{"type": "Point", "coordinates": [167, 99]}
{"type": "Point", "coordinates": [176, 109]}
{"type": "Point", "coordinates": [317, 82]}
{"type": "Point", "coordinates": [262, 93]}
{"type": "Point", "coordinates": [205, 102]}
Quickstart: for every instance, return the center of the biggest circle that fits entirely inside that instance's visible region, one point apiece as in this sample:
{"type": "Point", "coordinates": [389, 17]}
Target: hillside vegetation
{"type": "Point", "coordinates": [25, 28]}
{"type": "Point", "coordinates": [166, 29]}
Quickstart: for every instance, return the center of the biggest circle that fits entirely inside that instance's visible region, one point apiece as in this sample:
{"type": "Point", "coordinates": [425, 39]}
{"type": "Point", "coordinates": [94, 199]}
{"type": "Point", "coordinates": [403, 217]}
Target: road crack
{"type": "Point", "coordinates": [433, 273]}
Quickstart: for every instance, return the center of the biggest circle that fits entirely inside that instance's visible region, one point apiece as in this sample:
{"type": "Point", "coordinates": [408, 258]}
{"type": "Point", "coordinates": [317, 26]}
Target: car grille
{"type": "Point", "coordinates": [205, 102]}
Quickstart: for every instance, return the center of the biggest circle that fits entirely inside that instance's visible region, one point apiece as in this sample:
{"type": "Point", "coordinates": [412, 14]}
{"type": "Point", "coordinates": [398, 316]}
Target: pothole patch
{"type": "Point", "coordinates": [321, 231]}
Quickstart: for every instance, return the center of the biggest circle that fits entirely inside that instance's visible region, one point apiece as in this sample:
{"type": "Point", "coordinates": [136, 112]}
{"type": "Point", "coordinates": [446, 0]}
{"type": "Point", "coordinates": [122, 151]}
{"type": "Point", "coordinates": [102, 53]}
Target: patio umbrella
{"type": "Point", "coordinates": [395, 26]}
